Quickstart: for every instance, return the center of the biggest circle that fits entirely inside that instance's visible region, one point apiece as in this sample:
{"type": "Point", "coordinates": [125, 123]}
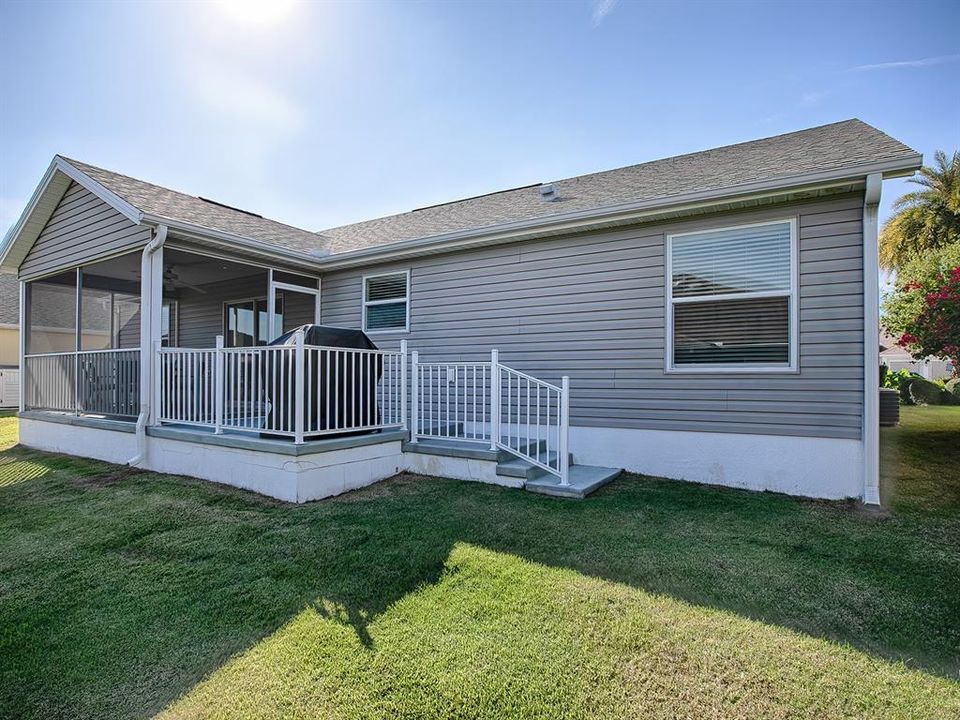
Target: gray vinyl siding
{"type": "Point", "coordinates": [201, 314]}
{"type": "Point", "coordinates": [592, 307]}
{"type": "Point", "coordinates": [82, 229]}
{"type": "Point", "coordinates": [298, 309]}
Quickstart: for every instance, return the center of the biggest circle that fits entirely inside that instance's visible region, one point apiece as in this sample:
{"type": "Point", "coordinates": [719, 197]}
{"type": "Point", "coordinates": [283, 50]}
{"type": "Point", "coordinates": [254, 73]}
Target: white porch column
{"type": "Point", "coordinates": [151, 309]}
{"type": "Point", "coordinates": [23, 345]}
{"type": "Point", "coordinates": [271, 309]}
{"type": "Point", "coordinates": [871, 341]}
{"type": "Point", "coordinates": [494, 399]}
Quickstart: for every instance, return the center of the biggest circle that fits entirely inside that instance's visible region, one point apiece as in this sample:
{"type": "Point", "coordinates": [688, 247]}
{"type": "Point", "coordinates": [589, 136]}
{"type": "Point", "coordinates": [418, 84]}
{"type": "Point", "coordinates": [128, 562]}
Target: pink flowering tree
{"type": "Point", "coordinates": [923, 311]}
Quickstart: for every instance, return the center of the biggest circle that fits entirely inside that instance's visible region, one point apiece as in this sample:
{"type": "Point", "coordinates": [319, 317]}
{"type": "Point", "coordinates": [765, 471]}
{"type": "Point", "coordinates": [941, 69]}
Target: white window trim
{"type": "Point", "coordinates": [174, 339]}
{"type": "Point", "coordinates": [364, 303]}
{"type": "Point", "coordinates": [794, 312]}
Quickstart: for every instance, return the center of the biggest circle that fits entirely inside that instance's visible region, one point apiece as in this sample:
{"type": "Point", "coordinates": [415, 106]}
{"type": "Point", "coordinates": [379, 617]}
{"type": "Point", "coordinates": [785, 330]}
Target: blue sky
{"type": "Point", "coordinates": [318, 114]}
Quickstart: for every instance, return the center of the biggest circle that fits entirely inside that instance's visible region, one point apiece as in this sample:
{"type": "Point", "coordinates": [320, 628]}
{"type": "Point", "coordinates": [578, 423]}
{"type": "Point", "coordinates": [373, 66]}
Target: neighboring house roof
{"type": "Point", "coordinates": [889, 347]}
{"type": "Point", "coordinates": [837, 153]}
{"type": "Point", "coordinates": [829, 147]}
{"type": "Point", "coordinates": [9, 299]}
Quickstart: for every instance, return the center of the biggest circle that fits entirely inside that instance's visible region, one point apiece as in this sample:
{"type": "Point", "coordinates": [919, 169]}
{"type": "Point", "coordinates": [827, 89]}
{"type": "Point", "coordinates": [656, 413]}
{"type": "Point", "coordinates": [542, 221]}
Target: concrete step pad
{"type": "Point", "coordinates": [584, 479]}
{"type": "Point", "coordinates": [453, 448]}
{"type": "Point", "coordinates": [517, 467]}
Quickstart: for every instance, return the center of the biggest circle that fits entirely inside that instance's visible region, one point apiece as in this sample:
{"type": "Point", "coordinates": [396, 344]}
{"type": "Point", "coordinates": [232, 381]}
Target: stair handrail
{"type": "Point", "coordinates": [559, 409]}
{"type": "Point", "coordinates": [556, 427]}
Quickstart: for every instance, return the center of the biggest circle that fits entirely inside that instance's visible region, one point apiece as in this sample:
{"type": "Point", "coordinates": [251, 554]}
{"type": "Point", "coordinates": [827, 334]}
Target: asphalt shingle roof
{"type": "Point", "coordinates": [9, 299]}
{"type": "Point", "coordinates": [157, 200]}
{"type": "Point", "coordinates": [829, 147]}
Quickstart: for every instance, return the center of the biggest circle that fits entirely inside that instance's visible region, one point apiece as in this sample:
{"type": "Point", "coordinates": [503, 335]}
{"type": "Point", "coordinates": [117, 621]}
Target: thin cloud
{"type": "Point", "coordinates": [245, 100]}
{"type": "Point", "coordinates": [899, 64]}
{"type": "Point", "coordinates": [809, 99]}
{"type": "Point", "coordinates": [602, 8]}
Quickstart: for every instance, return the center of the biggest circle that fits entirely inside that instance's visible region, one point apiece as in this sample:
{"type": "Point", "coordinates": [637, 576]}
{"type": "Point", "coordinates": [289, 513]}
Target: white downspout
{"type": "Point", "coordinates": [146, 339]}
{"type": "Point", "coordinates": [871, 341]}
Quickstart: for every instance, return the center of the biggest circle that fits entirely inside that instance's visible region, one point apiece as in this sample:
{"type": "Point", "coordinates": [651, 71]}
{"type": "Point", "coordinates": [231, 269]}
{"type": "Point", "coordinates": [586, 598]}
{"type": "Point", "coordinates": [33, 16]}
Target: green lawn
{"type": "Point", "coordinates": [127, 595]}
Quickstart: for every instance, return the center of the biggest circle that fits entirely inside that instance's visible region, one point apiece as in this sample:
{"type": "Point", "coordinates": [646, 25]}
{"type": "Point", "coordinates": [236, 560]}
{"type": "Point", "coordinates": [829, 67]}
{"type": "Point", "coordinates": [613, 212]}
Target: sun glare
{"type": "Point", "coordinates": [257, 13]}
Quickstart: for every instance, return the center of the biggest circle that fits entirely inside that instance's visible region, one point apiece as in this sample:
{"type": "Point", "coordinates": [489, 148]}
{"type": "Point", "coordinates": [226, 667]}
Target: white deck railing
{"type": "Point", "coordinates": [97, 382]}
{"type": "Point", "coordinates": [303, 391]}
{"type": "Point", "coordinates": [452, 400]}
{"type": "Point", "coordinates": [296, 391]}
{"type": "Point", "coordinates": [491, 403]}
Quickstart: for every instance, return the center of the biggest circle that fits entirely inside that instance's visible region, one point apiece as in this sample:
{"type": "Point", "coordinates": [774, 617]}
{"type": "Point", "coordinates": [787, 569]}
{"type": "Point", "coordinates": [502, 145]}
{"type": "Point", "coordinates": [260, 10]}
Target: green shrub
{"type": "Point", "coordinates": [899, 381]}
{"type": "Point", "coordinates": [925, 392]}
{"type": "Point", "coordinates": [893, 380]}
{"type": "Point", "coordinates": [953, 387]}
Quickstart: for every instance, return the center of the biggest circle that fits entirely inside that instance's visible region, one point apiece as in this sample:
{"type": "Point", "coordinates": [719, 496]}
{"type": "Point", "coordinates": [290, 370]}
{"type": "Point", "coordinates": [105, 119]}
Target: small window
{"type": "Point", "coordinates": [731, 299]}
{"type": "Point", "coordinates": [245, 322]}
{"type": "Point", "coordinates": [386, 302]}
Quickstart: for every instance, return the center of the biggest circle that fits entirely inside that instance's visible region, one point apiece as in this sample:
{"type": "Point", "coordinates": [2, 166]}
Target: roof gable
{"type": "Point", "coordinates": [144, 203]}
{"type": "Point", "coordinates": [156, 202]}
{"type": "Point", "coordinates": [42, 204]}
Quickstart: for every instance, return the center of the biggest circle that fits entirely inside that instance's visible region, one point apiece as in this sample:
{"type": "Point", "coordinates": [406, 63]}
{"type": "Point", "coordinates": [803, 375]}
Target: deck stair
{"type": "Point", "coordinates": [584, 479]}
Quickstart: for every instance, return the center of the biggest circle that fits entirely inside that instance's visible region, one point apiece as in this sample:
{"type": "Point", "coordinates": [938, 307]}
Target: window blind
{"type": "Point", "coordinates": [385, 299]}
{"type": "Point", "coordinates": [732, 331]}
{"type": "Point", "coordinates": [387, 287]}
{"type": "Point", "coordinates": [730, 297]}
{"type": "Point", "coordinates": [753, 259]}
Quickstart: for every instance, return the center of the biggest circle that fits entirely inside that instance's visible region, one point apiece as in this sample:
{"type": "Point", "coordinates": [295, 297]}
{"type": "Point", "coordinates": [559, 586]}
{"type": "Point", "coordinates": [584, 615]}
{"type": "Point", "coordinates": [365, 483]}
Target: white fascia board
{"type": "Point", "coordinates": [506, 232]}
{"type": "Point", "coordinates": [59, 165]}
{"type": "Point", "coordinates": [619, 214]}
{"type": "Point", "coordinates": [17, 228]}
{"type": "Point", "coordinates": [230, 240]}
{"type": "Point", "coordinates": [130, 212]}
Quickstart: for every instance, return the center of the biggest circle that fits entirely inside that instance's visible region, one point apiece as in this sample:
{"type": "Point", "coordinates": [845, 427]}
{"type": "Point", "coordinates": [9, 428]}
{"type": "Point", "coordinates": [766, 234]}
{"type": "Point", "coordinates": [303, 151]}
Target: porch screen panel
{"type": "Point", "coordinates": [731, 292]}
{"type": "Point", "coordinates": [298, 309]}
{"type": "Point", "coordinates": [126, 321]}
{"type": "Point", "coordinates": [110, 303]}
{"type": "Point", "coordinates": [96, 314]}
{"type": "Point", "coordinates": [52, 314]}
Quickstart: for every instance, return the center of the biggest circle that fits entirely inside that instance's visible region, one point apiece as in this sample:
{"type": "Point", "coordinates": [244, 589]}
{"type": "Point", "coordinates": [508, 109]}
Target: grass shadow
{"type": "Point", "coordinates": [128, 594]}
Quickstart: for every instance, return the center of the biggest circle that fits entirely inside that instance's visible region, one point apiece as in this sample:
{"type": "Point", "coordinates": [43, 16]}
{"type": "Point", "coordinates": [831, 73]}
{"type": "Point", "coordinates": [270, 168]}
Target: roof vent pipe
{"type": "Point", "coordinates": [548, 193]}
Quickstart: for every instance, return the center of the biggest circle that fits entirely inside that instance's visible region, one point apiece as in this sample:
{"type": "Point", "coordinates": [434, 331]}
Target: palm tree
{"type": "Point", "coordinates": [925, 219]}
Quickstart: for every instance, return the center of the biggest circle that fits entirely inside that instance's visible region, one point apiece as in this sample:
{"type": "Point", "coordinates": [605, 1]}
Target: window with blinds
{"type": "Point", "coordinates": [731, 298]}
{"type": "Point", "coordinates": [386, 302]}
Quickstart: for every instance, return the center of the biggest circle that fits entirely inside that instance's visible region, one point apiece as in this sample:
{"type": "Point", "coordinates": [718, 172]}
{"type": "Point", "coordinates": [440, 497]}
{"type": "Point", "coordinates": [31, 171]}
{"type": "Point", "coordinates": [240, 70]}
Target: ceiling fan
{"type": "Point", "coordinates": [172, 281]}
